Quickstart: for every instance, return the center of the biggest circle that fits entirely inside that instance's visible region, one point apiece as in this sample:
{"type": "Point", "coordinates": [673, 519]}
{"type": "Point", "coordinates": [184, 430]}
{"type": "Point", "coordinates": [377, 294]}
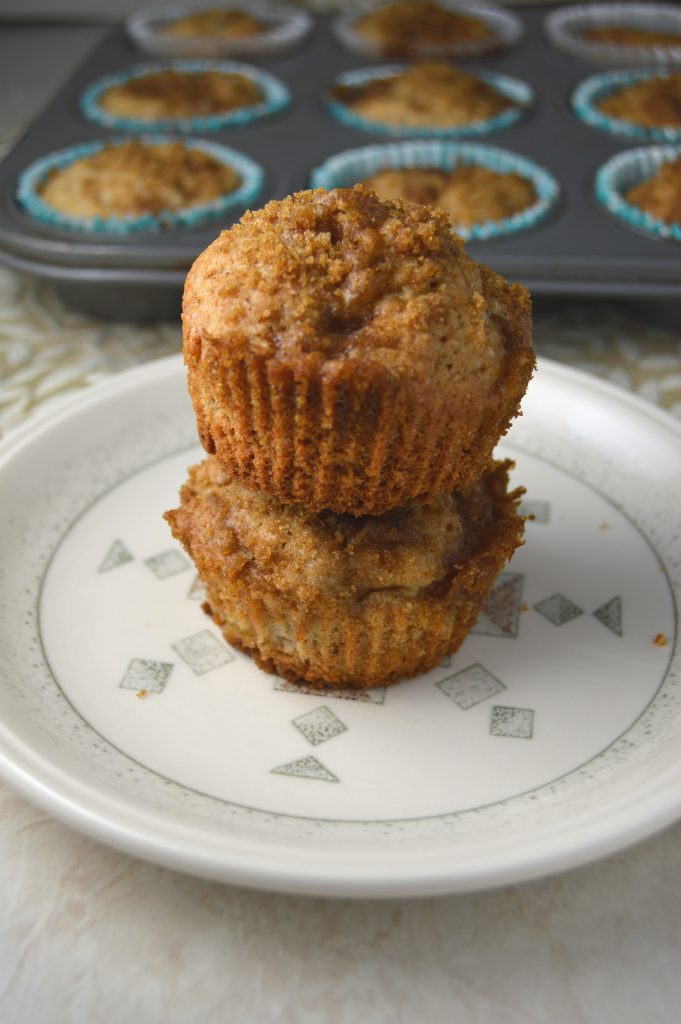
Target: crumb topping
{"type": "Point", "coordinates": [402, 29]}
{"type": "Point", "coordinates": [469, 194]}
{"type": "Point", "coordinates": [136, 179]}
{"type": "Point", "coordinates": [623, 35]}
{"type": "Point", "coordinates": [653, 103]}
{"type": "Point", "coordinates": [435, 95]}
{"type": "Point", "coordinates": [661, 194]}
{"type": "Point", "coordinates": [216, 23]}
{"type": "Point", "coordinates": [322, 276]}
{"type": "Point", "coordinates": [174, 94]}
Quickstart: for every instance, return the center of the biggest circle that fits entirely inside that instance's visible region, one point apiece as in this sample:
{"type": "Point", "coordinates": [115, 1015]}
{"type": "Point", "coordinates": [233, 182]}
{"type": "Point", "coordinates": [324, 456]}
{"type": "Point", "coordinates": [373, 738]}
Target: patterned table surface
{"type": "Point", "coordinates": [87, 933]}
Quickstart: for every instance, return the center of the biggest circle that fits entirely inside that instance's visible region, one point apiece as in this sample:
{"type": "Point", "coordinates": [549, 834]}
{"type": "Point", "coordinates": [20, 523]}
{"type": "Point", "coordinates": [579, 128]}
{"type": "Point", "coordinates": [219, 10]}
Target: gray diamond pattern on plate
{"type": "Point", "coordinates": [145, 674]}
{"type": "Point", "coordinates": [558, 609]}
{"type": "Point", "coordinates": [319, 725]}
{"type": "Point", "coordinates": [515, 722]}
{"type": "Point", "coordinates": [197, 591]}
{"type": "Point", "coordinates": [501, 611]}
{"type": "Point", "coordinates": [306, 768]}
{"type": "Point", "coordinates": [539, 510]}
{"type": "Point", "coordinates": [117, 555]}
{"type": "Point", "coordinates": [203, 652]}
{"type": "Point", "coordinates": [374, 696]}
{"type": "Point", "coordinates": [610, 614]}
{"type": "Point", "coordinates": [167, 563]}
{"type": "Point", "coordinates": [470, 686]}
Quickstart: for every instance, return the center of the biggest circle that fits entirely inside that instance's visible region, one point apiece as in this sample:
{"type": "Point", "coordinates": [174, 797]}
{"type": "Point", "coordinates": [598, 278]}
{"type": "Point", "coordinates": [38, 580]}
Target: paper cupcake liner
{"type": "Point", "coordinates": [516, 90]}
{"type": "Point", "coordinates": [505, 27]}
{"type": "Point", "coordinates": [286, 28]}
{"type": "Point", "coordinates": [30, 180]}
{"type": "Point", "coordinates": [565, 26]}
{"type": "Point", "coordinates": [385, 637]}
{"type": "Point", "coordinates": [276, 97]}
{"type": "Point", "coordinates": [625, 170]}
{"type": "Point", "coordinates": [590, 92]}
{"type": "Point", "coordinates": [347, 168]}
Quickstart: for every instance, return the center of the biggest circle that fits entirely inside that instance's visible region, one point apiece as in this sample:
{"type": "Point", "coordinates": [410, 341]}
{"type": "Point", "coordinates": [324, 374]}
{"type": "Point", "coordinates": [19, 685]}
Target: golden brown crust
{"type": "Point", "coordinates": [339, 601]}
{"type": "Point", "coordinates": [623, 35]}
{"type": "Point", "coordinates": [179, 94]}
{"type": "Point", "coordinates": [216, 23]}
{"type": "Point", "coordinates": [661, 194]}
{"type": "Point", "coordinates": [653, 103]}
{"type": "Point", "coordinates": [135, 179]}
{"type": "Point", "coordinates": [410, 27]}
{"type": "Point", "coordinates": [348, 354]}
{"type": "Point", "coordinates": [469, 194]}
{"type": "Point", "coordinates": [425, 95]}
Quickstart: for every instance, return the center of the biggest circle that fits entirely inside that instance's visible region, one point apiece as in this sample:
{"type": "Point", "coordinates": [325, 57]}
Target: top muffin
{"type": "Point", "coordinates": [410, 27]}
{"type": "Point", "coordinates": [173, 94]}
{"type": "Point", "coordinates": [625, 35]}
{"type": "Point", "coordinates": [216, 23]}
{"type": "Point", "coordinates": [347, 353]}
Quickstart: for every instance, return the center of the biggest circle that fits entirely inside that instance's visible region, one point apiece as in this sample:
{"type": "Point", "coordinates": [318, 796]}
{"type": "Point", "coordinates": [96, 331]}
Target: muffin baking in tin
{"type": "Point", "coordinates": [618, 33]}
{"type": "Point", "coordinates": [537, 189]}
{"type": "Point", "coordinates": [423, 29]}
{"type": "Point", "coordinates": [257, 30]}
{"type": "Point", "coordinates": [642, 188]}
{"type": "Point", "coordinates": [88, 196]}
{"type": "Point", "coordinates": [142, 98]}
{"type": "Point", "coordinates": [428, 100]}
{"type": "Point", "coordinates": [643, 104]}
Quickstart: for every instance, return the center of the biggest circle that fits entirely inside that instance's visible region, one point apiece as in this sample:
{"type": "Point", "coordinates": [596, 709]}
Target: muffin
{"type": "Point", "coordinates": [660, 195]}
{"type": "Point", "coordinates": [135, 178]}
{"type": "Point", "coordinates": [346, 353]}
{"type": "Point", "coordinates": [624, 35]}
{"type": "Point", "coordinates": [470, 194]}
{"type": "Point", "coordinates": [652, 103]}
{"type": "Point", "coordinates": [428, 95]}
{"type": "Point", "coordinates": [173, 94]}
{"type": "Point", "coordinates": [344, 601]}
{"type": "Point", "coordinates": [216, 22]}
{"type": "Point", "coordinates": [407, 28]}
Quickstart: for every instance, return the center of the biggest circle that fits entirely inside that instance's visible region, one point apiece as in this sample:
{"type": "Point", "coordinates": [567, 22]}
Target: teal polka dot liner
{"type": "Point", "coordinates": [276, 96]}
{"type": "Point", "coordinates": [31, 180]}
{"type": "Point", "coordinates": [347, 168]}
{"type": "Point", "coordinates": [593, 90]}
{"type": "Point", "coordinates": [517, 91]}
{"type": "Point", "coordinates": [625, 170]}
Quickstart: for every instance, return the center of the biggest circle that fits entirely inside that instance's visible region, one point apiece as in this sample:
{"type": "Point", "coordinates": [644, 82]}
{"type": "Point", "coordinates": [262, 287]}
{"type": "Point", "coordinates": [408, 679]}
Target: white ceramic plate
{"type": "Point", "coordinates": [552, 737]}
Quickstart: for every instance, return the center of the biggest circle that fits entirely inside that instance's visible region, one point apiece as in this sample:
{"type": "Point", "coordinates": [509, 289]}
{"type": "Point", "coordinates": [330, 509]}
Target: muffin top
{"type": "Point", "coordinates": [653, 103]}
{"type": "Point", "coordinates": [323, 278]}
{"type": "Point", "coordinates": [331, 555]}
{"type": "Point", "coordinates": [660, 195]}
{"type": "Point", "coordinates": [425, 95]}
{"type": "Point", "coordinates": [178, 94]}
{"type": "Point", "coordinates": [408, 27]}
{"type": "Point", "coordinates": [216, 23]}
{"type": "Point", "coordinates": [137, 178]}
{"type": "Point", "coordinates": [469, 194]}
{"type": "Point", "coordinates": [623, 35]}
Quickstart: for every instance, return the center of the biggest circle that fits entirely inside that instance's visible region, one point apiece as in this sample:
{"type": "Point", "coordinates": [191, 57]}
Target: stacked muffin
{"type": "Point", "coordinates": [351, 370]}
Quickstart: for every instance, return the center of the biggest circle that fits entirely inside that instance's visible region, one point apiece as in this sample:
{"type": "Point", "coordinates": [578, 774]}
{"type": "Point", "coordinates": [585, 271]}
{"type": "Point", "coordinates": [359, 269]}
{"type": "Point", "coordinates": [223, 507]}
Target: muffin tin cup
{"type": "Point", "coordinates": [625, 170]}
{"type": "Point", "coordinates": [29, 183]}
{"type": "Point", "coordinates": [564, 28]}
{"type": "Point", "coordinates": [276, 97]}
{"type": "Point", "coordinates": [513, 88]}
{"type": "Point", "coordinates": [347, 168]}
{"type": "Point", "coordinates": [286, 27]}
{"type": "Point", "coordinates": [506, 30]}
{"type": "Point", "coordinates": [591, 91]}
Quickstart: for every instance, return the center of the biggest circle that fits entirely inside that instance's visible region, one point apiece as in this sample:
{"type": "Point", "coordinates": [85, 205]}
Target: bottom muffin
{"type": "Point", "coordinates": [340, 600]}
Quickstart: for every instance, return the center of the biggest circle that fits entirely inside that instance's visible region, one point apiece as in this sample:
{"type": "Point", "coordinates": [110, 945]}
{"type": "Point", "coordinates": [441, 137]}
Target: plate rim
{"type": "Point", "coordinates": [274, 865]}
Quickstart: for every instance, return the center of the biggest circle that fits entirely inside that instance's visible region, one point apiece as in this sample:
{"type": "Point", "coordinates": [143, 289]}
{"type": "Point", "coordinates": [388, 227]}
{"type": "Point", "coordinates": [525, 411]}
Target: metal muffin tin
{"type": "Point", "coordinates": [579, 250]}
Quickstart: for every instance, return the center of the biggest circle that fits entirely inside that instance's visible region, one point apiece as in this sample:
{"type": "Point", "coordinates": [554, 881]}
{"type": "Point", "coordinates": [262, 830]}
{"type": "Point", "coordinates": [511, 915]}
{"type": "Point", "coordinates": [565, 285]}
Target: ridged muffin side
{"type": "Point", "coordinates": [347, 353]}
{"type": "Point", "coordinates": [344, 601]}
